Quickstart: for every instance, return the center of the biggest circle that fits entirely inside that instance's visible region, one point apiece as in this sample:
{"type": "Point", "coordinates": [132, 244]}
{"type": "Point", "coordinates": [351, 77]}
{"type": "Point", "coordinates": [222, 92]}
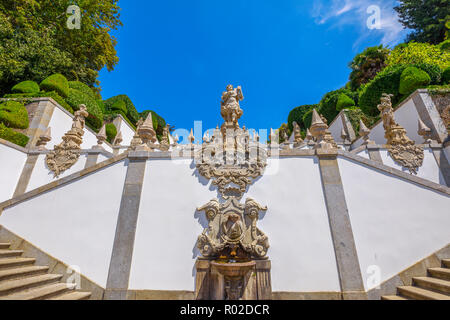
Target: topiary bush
{"type": "Point", "coordinates": [344, 101]}
{"type": "Point", "coordinates": [111, 132]}
{"type": "Point", "coordinates": [388, 81]}
{"type": "Point", "coordinates": [307, 119]}
{"type": "Point", "coordinates": [13, 114]}
{"type": "Point", "coordinates": [95, 118]}
{"type": "Point", "coordinates": [415, 53]}
{"type": "Point", "coordinates": [412, 79]}
{"type": "Point", "coordinates": [297, 114]}
{"type": "Point", "coordinates": [26, 87]}
{"type": "Point", "coordinates": [119, 105]}
{"type": "Point", "coordinates": [56, 82]}
{"type": "Point", "coordinates": [328, 104]}
{"type": "Point", "coordinates": [51, 94]}
{"type": "Point", "coordinates": [80, 86]}
{"type": "Point", "coordinates": [446, 76]}
{"type": "Point", "coordinates": [13, 136]}
{"type": "Point", "coordinates": [131, 113]}
{"type": "Point", "coordinates": [355, 114]}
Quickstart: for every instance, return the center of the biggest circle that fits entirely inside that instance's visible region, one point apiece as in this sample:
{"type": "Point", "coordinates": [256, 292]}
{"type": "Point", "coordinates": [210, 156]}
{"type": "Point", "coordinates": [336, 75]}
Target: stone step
{"type": "Point", "coordinates": [22, 272]}
{"type": "Point", "coordinates": [434, 284]}
{"type": "Point", "coordinates": [393, 298]}
{"type": "Point", "coordinates": [421, 294]}
{"type": "Point", "coordinates": [11, 286]}
{"type": "Point", "coordinates": [74, 295]}
{"type": "Point", "coordinates": [10, 253]}
{"type": "Point", "coordinates": [5, 245]}
{"type": "Point", "coordinates": [446, 263]}
{"type": "Point", "coordinates": [40, 293]}
{"type": "Point", "coordinates": [15, 262]}
{"type": "Point", "coordinates": [440, 273]}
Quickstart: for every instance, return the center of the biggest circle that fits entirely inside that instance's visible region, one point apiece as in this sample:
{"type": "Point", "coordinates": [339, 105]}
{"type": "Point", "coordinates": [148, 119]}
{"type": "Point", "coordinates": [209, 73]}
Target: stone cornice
{"type": "Point", "coordinates": [395, 172]}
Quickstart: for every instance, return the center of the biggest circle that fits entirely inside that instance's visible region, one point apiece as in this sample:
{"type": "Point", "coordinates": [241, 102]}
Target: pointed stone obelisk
{"type": "Point", "coordinates": [101, 136]}
{"type": "Point", "coordinates": [319, 130]}
{"type": "Point", "coordinates": [364, 132]}
{"type": "Point", "coordinates": [118, 139]}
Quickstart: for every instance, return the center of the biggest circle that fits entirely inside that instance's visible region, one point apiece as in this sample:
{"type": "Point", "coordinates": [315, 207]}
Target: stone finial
{"type": "Point", "coordinates": [191, 137]}
{"type": "Point", "coordinates": [344, 135]}
{"type": "Point", "coordinates": [44, 139]}
{"type": "Point", "coordinates": [424, 131]}
{"type": "Point", "coordinates": [146, 133]}
{"type": "Point", "coordinates": [319, 130]}
{"type": "Point", "coordinates": [118, 139]}
{"type": "Point", "coordinates": [175, 139]}
{"type": "Point", "coordinates": [364, 132]}
{"type": "Point", "coordinates": [101, 136]}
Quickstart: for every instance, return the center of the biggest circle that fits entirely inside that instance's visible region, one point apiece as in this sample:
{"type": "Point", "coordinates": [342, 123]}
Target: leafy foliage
{"type": "Point", "coordinates": [95, 118]}
{"type": "Point", "coordinates": [307, 118]}
{"type": "Point", "coordinates": [388, 81]}
{"type": "Point", "coordinates": [35, 41]}
{"type": "Point", "coordinates": [26, 87]}
{"type": "Point", "coordinates": [297, 114]}
{"type": "Point", "coordinates": [328, 104]}
{"type": "Point", "coordinates": [344, 101]}
{"type": "Point", "coordinates": [413, 78]}
{"type": "Point", "coordinates": [52, 94]}
{"type": "Point", "coordinates": [366, 65]}
{"type": "Point", "coordinates": [13, 136]}
{"type": "Point", "coordinates": [111, 132]}
{"type": "Point", "coordinates": [119, 105]}
{"type": "Point", "coordinates": [13, 114]}
{"type": "Point", "coordinates": [80, 86]}
{"type": "Point", "coordinates": [446, 76]}
{"type": "Point", "coordinates": [355, 114]}
{"type": "Point", "coordinates": [426, 17]}
{"type": "Point", "coordinates": [56, 82]}
{"type": "Point", "coordinates": [131, 114]}
{"type": "Point", "coordinates": [415, 53]}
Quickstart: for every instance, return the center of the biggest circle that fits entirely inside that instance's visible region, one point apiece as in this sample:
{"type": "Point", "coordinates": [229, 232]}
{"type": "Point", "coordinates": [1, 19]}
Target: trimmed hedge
{"type": "Point", "coordinates": [446, 76]}
{"type": "Point", "coordinates": [307, 119]}
{"type": "Point", "coordinates": [13, 114]}
{"type": "Point", "coordinates": [119, 105]}
{"type": "Point", "coordinates": [413, 78]}
{"type": "Point", "coordinates": [111, 132]}
{"type": "Point", "coordinates": [131, 113]}
{"type": "Point", "coordinates": [13, 136]}
{"type": "Point", "coordinates": [388, 81]}
{"type": "Point", "coordinates": [297, 114]}
{"type": "Point", "coordinates": [344, 101]}
{"type": "Point", "coordinates": [26, 87]}
{"type": "Point", "coordinates": [355, 114]}
{"type": "Point", "coordinates": [80, 86]}
{"type": "Point", "coordinates": [95, 118]}
{"type": "Point", "coordinates": [56, 82]}
{"type": "Point", "coordinates": [328, 104]}
{"type": "Point", "coordinates": [52, 94]}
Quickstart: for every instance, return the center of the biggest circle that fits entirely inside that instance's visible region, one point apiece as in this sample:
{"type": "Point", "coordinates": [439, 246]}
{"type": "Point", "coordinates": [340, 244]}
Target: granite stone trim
{"type": "Point", "coordinates": [359, 149]}
{"type": "Point", "coordinates": [14, 146]}
{"type": "Point", "coordinates": [44, 259]}
{"type": "Point", "coordinates": [159, 295]}
{"type": "Point", "coordinates": [60, 182]}
{"type": "Point", "coordinates": [25, 176]}
{"type": "Point", "coordinates": [442, 161]}
{"type": "Point", "coordinates": [347, 261]}
{"type": "Point", "coordinates": [374, 153]}
{"type": "Point", "coordinates": [348, 126]}
{"type": "Point", "coordinates": [430, 115]}
{"type": "Point", "coordinates": [395, 172]}
{"type": "Point", "coordinates": [404, 278]}
{"type": "Point", "coordinates": [91, 160]}
{"type": "Point", "coordinates": [122, 253]}
{"type": "Point", "coordinates": [40, 121]}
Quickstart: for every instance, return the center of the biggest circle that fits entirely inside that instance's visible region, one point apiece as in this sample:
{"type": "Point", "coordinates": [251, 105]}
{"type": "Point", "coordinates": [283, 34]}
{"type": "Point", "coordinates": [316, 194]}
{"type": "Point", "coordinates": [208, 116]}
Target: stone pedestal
{"type": "Point", "coordinates": [211, 285]}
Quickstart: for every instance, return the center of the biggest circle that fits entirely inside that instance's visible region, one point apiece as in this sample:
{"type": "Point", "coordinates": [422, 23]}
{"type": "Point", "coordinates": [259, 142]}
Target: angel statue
{"type": "Point", "coordinates": [230, 109]}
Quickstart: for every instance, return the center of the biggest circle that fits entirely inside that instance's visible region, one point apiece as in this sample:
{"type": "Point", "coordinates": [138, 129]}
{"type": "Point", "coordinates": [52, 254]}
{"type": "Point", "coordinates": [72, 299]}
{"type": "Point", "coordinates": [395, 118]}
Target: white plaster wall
{"type": "Point", "coordinates": [12, 162]}
{"type": "Point", "coordinates": [364, 154]}
{"type": "Point", "coordinates": [61, 122]}
{"type": "Point", "coordinates": [127, 132]}
{"type": "Point", "coordinates": [336, 129]}
{"type": "Point", "coordinates": [429, 170]}
{"type": "Point", "coordinates": [41, 175]}
{"type": "Point", "coordinates": [75, 223]}
{"type": "Point", "coordinates": [395, 223]}
{"type": "Point", "coordinates": [297, 225]}
{"type": "Point", "coordinates": [406, 116]}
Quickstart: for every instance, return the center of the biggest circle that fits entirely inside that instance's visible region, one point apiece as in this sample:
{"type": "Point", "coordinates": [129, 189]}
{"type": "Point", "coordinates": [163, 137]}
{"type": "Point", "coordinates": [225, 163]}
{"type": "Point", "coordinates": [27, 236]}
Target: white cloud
{"type": "Point", "coordinates": [342, 13]}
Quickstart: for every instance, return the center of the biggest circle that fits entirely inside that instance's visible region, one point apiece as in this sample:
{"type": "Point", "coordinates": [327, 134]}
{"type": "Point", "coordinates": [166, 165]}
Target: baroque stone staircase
{"type": "Point", "coordinates": [20, 279]}
{"type": "Point", "coordinates": [436, 286]}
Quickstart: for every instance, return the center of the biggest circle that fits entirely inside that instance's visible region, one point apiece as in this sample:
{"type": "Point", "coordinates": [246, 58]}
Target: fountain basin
{"type": "Point", "coordinates": [234, 270]}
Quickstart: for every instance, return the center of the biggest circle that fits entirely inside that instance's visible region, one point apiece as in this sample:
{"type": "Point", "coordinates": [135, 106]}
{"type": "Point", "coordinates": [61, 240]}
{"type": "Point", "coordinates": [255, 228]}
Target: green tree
{"type": "Point", "coordinates": [36, 43]}
{"type": "Point", "coordinates": [426, 18]}
{"type": "Point", "coordinates": [366, 65]}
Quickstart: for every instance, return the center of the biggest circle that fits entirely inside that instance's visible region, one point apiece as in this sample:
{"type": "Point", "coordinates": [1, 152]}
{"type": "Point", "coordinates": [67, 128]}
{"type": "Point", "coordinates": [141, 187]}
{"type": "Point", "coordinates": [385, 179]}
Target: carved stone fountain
{"type": "Point", "coordinates": [234, 263]}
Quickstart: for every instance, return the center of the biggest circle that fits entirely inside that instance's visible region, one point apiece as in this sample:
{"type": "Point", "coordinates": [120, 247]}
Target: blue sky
{"type": "Point", "coordinates": [177, 56]}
